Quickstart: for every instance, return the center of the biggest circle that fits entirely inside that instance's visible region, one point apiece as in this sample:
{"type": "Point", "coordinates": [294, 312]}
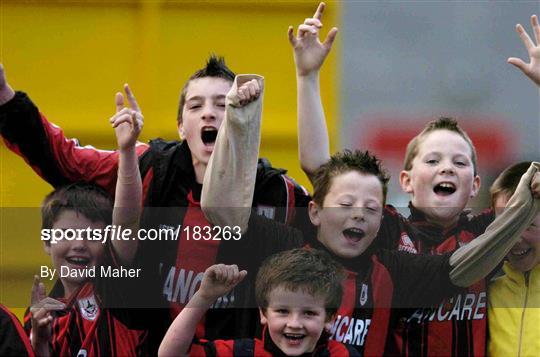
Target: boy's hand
{"type": "Point", "coordinates": [41, 317]}
{"type": "Point", "coordinates": [127, 122]}
{"type": "Point", "coordinates": [219, 279]}
{"type": "Point", "coordinates": [532, 69]}
{"type": "Point", "coordinates": [6, 92]}
{"type": "Point", "coordinates": [309, 52]}
{"type": "Point", "coordinates": [248, 92]}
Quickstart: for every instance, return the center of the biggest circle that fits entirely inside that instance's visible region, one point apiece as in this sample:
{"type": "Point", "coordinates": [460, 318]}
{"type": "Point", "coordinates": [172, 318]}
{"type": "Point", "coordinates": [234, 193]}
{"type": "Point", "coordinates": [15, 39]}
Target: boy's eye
{"type": "Point", "coordinates": [431, 161]}
{"type": "Point", "coordinates": [195, 106]}
{"type": "Point", "coordinates": [311, 313]}
{"type": "Point", "coordinates": [345, 204]}
{"type": "Point", "coordinates": [221, 105]}
{"type": "Point", "coordinates": [461, 163]}
{"type": "Point", "coordinates": [372, 209]}
{"type": "Point", "coordinates": [281, 311]}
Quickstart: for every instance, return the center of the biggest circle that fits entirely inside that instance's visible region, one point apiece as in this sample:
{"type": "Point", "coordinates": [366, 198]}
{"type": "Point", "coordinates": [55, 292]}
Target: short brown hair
{"type": "Point", "coordinates": [89, 200]}
{"type": "Point", "coordinates": [343, 162]}
{"type": "Point", "coordinates": [443, 123]}
{"type": "Point", "coordinates": [507, 182]}
{"type": "Point", "coordinates": [309, 270]}
{"type": "Point", "coordinates": [215, 67]}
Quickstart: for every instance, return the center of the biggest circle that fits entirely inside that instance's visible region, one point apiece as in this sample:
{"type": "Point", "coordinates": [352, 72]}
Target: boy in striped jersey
{"type": "Point", "coordinates": [84, 313]}
{"type": "Point", "coordinates": [298, 292]}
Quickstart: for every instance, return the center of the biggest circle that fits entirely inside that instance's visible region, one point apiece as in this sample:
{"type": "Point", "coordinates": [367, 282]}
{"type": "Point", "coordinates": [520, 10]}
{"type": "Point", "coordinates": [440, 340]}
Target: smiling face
{"type": "Point", "coordinates": [442, 178]}
{"type": "Point", "coordinates": [295, 320]}
{"type": "Point", "coordinates": [75, 254]}
{"type": "Point", "coordinates": [202, 115]}
{"type": "Point", "coordinates": [525, 254]}
{"type": "Point", "coordinates": [351, 214]}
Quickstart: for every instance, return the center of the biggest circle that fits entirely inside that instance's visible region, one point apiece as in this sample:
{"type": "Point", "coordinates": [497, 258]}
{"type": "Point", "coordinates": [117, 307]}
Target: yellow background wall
{"type": "Point", "coordinates": [72, 56]}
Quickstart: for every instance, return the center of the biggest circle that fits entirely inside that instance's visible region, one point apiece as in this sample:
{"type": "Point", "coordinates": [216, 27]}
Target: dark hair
{"type": "Point", "coordinates": [308, 270]}
{"type": "Point", "coordinates": [343, 162]}
{"type": "Point", "coordinates": [443, 123]}
{"type": "Point", "coordinates": [215, 67]}
{"type": "Point", "coordinates": [507, 182]}
{"type": "Point", "coordinates": [89, 200]}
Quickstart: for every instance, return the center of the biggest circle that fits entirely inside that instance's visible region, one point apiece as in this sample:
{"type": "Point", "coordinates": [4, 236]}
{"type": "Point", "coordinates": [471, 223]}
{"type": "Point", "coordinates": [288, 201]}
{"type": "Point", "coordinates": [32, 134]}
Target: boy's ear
{"type": "Point", "coordinates": [329, 323]}
{"type": "Point", "coordinates": [264, 320]}
{"type": "Point", "coordinates": [405, 181]}
{"type": "Point", "coordinates": [475, 186]}
{"type": "Point", "coordinates": [180, 127]}
{"type": "Point", "coordinates": [47, 247]}
{"type": "Point", "coordinates": [314, 210]}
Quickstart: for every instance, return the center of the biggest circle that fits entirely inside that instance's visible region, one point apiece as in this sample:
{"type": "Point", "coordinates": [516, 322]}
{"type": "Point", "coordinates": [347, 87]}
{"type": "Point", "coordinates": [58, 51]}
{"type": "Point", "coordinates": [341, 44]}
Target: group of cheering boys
{"type": "Point", "coordinates": [357, 279]}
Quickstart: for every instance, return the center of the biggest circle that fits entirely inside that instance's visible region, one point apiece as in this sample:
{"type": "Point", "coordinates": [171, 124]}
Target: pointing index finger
{"type": "Point", "coordinates": [131, 98]}
{"type": "Point", "coordinates": [319, 12]}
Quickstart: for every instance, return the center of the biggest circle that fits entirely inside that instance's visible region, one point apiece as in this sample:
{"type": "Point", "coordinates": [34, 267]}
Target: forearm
{"type": "Point", "coordinates": [313, 142]}
{"type": "Point", "coordinates": [475, 260]}
{"type": "Point", "coordinates": [179, 336]}
{"type": "Point", "coordinates": [127, 203]}
{"type": "Point", "coordinates": [229, 181]}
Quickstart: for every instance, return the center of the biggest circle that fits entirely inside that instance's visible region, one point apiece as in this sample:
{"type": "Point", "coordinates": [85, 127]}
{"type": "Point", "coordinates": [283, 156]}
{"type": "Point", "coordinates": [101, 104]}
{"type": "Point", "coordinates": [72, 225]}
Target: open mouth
{"type": "Point", "coordinates": [208, 135]}
{"type": "Point", "coordinates": [294, 338]}
{"type": "Point", "coordinates": [78, 261]}
{"type": "Point", "coordinates": [444, 189]}
{"type": "Point", "coordinates": [520, 253]}
{"type": "Point", "coordinates": [354, 234]}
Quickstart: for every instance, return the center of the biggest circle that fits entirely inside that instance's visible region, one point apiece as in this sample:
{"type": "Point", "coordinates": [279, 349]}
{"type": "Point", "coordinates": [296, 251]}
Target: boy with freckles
{"type": "Point", "coordinates": [440, 173]}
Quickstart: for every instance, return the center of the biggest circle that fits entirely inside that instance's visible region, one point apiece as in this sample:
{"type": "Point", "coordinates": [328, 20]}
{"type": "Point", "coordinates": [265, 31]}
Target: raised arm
{"type": "Point", "coordinates": [475, 260]}
{"type": "Point", "coordinates": [217, 281]}
{"type": "Point", "coordinates": [43, 145]}
{"type": "Point", "coordinates": [531, 69]}
{"type": "Point", "coordinates": [309, 56]}
{"type": "Point", "coordinates": [127, 124]}
{"type": "Point", "coordinates": [229, 181]}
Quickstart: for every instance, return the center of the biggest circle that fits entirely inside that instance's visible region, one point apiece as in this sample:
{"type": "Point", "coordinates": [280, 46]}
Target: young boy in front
{"type": "Point", "coordinates": [297, 291]}
{"type": "Point", "coordinates": [84, 316]}
{"type": "Point", "coordinates": [440, 174]}
{"type": "Point", "coordinates": [514, 298]}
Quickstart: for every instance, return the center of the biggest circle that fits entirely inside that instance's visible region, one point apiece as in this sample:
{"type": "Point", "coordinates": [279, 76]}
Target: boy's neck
{"type": "Point", "coordinates": [70, 288]}
{"type": "Point", "coordinates": [200, 170]}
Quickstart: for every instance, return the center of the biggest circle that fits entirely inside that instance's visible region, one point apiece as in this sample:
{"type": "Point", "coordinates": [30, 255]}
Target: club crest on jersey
{"type": "Point", "coordinates": [88, 307]}
{"type": "Point", "coordinates": [406, 244]}
{"type": "Point", "coordinates": [266, 211]}
{"type": "Point", "coordinates": [363, 294]}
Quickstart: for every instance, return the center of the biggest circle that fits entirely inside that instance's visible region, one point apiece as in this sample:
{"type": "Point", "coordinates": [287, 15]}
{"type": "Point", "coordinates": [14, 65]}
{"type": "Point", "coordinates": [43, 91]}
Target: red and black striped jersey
{"type": "Point", "coordinates": [87, 328]}
{"type": "Point", "coordinates": [265, 347]}
{"type": "Point", "coordinates": [458, 325]}
{"type": "Point", "coordinates": [13, 340]}
{"type": "Point", "coordinates": [378, 285]}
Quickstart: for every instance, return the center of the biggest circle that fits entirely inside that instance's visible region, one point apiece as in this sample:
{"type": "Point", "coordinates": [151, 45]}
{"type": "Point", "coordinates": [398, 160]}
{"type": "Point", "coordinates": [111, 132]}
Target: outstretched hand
{"type": "Point", "coordinates": [531, 69]}
{"type": "Point", "coordinates": [309, 51]}
{"type": "Point", "coordinates": [127, 122]}
{"type": "Point", "coordinates": [219, 279]}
